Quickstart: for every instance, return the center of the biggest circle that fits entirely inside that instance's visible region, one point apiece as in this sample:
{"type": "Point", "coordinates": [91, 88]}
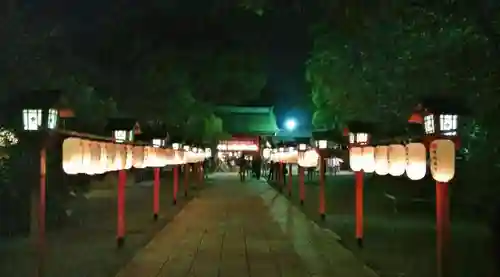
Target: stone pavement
{"type": "Point", "coordinates": [243, 229]}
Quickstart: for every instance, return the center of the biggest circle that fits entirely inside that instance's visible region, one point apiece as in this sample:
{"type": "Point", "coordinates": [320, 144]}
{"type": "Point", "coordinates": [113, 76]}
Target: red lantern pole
{"type": "Point", "coordinates": [359, 207]}
{"type": "Point", "coordinates": [281, 177]}
{"type": "Point", "coordinates": [301, 185]}
{"type": "Point", "coordinates": [186, 179]}
{"type": "Point", "coordinates": [442, 227]}
{"type": "Point", "coordinates": [176, 184]}
{"type": "Point", "coordinates": [290, 180]}
{"type": "Point", "coordinates": [322, 189]}
{"type": "Point", "coordinates": [41, 212]}
{"type": "Point", "coordinates": [156, 193]}
{"type": "Point", "coordinates": [120, 230]}
{"type": "Point", "coordinates": [200, 173]}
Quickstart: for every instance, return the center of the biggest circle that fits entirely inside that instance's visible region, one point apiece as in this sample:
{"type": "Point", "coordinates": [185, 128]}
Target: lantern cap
{"type": "Point", "coordinates": [443, 104]}
{"type": "Point", "coordinates": [357, 126]}
{"type": "Point", "coordinates": [120, 123]}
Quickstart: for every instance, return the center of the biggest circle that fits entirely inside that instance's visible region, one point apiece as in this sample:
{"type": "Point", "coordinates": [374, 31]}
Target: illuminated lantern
{"type": "Point", "coordinates": [39, 114]}
{"type": "Point", "coordinates": [368, 159]}
{"type": "Point", "coordinates": [111, 152]}
{"type": "Point", "coordinates": [266, 153]}
{"type": "Point", "coordinates": [120, 157]}
{"type": "Point", "coordinates": [308, 159]}
{"type": "Point", "coordinates": [123, 129]}
{"type": "Point", "coordinates": [416, 164]}
{"type": "Point", "coordinates": [208, 152]}
{"type": "Point", "coordinates": [397, 159]}
{"type": "Point", "coordinates": [86, 158]}
{"type": "Point", "coordinates": [356, 158]}
{"type": "Point", "coordinates": [442, 156]}
{"type": "Point", "coordinates": [103, 161]}
{"type": "Point", "coordinates": [382, 160]}
{"type": "Point", "coordinates": [72, 155]}
{"type": "Point", "coordinates": [322, 144]}
{"type": "Point", "coordinates": [129, 160]}
{"type": "Point", "coordinates": [138, 157]}
{"type": "Point", "coordinates": [95, 159]}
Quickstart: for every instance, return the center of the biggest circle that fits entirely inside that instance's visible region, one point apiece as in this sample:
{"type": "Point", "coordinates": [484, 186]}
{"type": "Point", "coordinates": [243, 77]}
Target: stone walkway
{"type": "Point", "coordinates": [243, 229]}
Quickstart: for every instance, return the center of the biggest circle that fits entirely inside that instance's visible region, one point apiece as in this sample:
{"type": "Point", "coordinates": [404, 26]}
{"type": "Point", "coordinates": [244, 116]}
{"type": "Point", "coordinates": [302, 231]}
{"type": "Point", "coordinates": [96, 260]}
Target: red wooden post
{"type": "Point", "coordinates": [41, 212]}
{"type": "Point", "coordinates": [200, 173]}
{"type": "Point", "coordinates": [322, 189]}
{"type": "Point", "coordinates": [176, 184]}
{"type": "Point", "coordinates": [290, 180]}
{"type": "Point", "coordinates": [281, 177]}
{"type": "Point", "coordinates": [186, 179]}
{"type": "Point", "coordinates": [442, 227]}
{"type": "Point", "coordinates": [156, 193]}
{"type": "Point", "coordinates": [120, 230]}
{"type": "Point", "coordinates": [301, 185]}
{"type": "Point", "coordinates": [359, 207]}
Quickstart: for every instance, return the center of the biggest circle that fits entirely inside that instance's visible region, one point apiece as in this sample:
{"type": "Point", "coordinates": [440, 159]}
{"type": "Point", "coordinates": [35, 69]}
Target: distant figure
{"type": "Point", "coordinates": [256, 167]}
{"type": "Point", "coordinates": [270, 176]}
{"type": "Point", "coordinates": [242, 163]}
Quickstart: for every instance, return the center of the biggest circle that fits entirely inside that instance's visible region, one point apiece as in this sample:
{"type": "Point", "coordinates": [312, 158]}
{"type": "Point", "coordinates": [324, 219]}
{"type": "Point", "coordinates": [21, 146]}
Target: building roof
{"type": "Point", "coordinates": [238, 120]}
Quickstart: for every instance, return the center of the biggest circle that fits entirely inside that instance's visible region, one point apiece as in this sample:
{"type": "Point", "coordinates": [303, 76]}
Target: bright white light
{"type": "Point", "coordinates": [290, 124]}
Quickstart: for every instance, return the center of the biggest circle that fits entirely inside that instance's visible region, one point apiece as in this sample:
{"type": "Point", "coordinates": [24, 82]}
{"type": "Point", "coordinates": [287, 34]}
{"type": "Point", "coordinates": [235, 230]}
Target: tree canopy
{"type": "Point", "coordinates": [145, 61]}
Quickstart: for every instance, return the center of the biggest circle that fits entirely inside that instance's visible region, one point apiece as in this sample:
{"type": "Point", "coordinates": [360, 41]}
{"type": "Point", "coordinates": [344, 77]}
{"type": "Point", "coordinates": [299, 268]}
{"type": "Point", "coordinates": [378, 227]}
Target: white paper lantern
{"type": "Point", "coordinates": [416, 163]}
{"type": "Point", "coordinates": [442, 154]}
{"type": "Point", "coordinates": [356, 158]}
{"type": "Point", "coordinates": [72, 155]}
{"type": "Point", "coordinates": [95, 159]}
{"type": "Point", "coordinates": [129, 160]}
{"type": "Point", "coordinates": [138, 156]}
{"type": "Point", "coordinates": [397, 159]}
{"type": "Point", "coordinates": [111, 152]}
{"type": "Point", "coordinates": [382, 160]}
{"type": "Point", "coordinates": [103, 161]}
{"type": "Point", "coordinates": [308, 158]}
{"type": "Point", "coordinates": [368, 156]}
{"type": "Point", "coordinates": [121, 156]}
{"type": "Point", "coordinates": [86, 158]}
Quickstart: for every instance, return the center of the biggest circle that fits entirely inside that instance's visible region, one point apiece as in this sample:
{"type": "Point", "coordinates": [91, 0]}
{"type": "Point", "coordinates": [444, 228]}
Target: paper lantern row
{"type": "Point", "coordinates": [411, 159]}
{"type": "Point", "coordinates": [81, 156]}
{"type": "Point", "coordinates": [290, 156]}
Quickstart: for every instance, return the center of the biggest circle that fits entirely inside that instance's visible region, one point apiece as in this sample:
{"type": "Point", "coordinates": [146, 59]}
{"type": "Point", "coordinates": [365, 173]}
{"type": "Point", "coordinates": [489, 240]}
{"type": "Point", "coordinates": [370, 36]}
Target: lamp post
{"type": "Point", "coordinates": [290, 175]}
{"type": "Point", "coordinates": [359, 136]}
{"type": "Point", "coordinates": [322, 148]}
{"type": "Point", "coordinates": [440, 118]}
{"type": "Point", "coordinates": [123, 130]}
{"type": "Point", "coordinates": [175, 188]}
{"type": "Point", "coordinates": [157, 143]}
{"type": "Point", "coordinates": [38, 119]}
{"type": "Point", "coordinates": [281, 177]}
{"type": "Point", "coordinates": [186, 148]}
{"type": "Point", "coordinates": [302, 150]}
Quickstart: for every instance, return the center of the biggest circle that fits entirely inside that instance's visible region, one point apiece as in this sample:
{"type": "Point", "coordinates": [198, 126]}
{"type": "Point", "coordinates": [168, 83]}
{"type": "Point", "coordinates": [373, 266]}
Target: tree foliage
{"type": "Point", "coordinates": [376, 63]}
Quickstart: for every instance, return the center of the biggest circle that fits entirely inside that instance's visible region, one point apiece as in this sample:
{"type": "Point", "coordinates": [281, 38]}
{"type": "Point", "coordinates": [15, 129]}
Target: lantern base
{"type": "Point", "coordinates": [302, 202]}
{"type": "Point", "coordinates": [360, 242]}
{"type": "Point", "coordinates": [120, 242]}
{"type": "Point", "coordinates": [155, 217]}
{"type": "Point", "coordinates": [174, 202]}
{"type": "Point", "coordinates": [323, 217]}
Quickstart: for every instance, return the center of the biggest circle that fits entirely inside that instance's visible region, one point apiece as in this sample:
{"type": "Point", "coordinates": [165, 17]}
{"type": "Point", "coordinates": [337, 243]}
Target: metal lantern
{"type": "Point", "coordinates": [37, 119]}
{"type": "Point", "coordinates": [302, 147]}
{"type": "Point", "coordinates": [123, 129]}
{"type": "Point", "coordinates": [322, 144]}
{"type": "Point", "coordinates": [158, 143]}
{"type": "Point", "coordinates": [176, 146]}
{"type": "Point", "coordinates": [358, 138]}
{"type": "Point", "coordinates": [443, 124]}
